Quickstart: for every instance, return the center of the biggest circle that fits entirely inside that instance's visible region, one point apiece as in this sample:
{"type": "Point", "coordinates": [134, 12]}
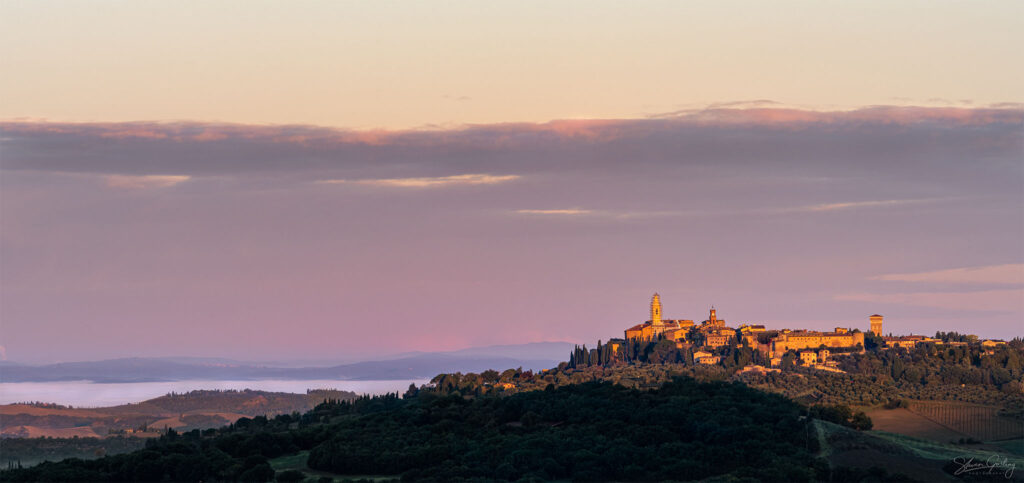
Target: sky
{"type": "Point", "coordinates": [272, 181]}
{"type": "Point", "coordinates": [400, 65]}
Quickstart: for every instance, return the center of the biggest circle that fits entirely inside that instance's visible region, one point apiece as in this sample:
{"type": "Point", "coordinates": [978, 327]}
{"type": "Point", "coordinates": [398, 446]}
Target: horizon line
{"type": "Point", "coordinates": [694, 114]}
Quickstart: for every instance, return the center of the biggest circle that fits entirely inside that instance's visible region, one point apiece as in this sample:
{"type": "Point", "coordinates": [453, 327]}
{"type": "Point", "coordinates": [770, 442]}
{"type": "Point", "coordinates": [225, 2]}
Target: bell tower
{"type": "Point", "coordinates": [656, 310]}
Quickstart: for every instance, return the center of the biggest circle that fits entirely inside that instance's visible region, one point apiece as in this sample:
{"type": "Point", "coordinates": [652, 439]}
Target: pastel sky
{"type": "Point", "coordinates": [270, 181]}
{"type": "Point", "coordinates": [388, 64]}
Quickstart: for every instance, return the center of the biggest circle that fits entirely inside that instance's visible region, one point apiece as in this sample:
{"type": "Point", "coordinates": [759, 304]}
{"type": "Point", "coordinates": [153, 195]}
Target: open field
{"type": "Point", "coordinates": [948, 422]}
{"type": "Point", "coordinates": [903, 421]}
{"type": "Point", "coordinates": [38, 432]}
{"type": "Point", "coordinates": [977, 421]}
{"type": "Point", "coordinates": [10, 409]}
{"type": "Point", "coordinates": [842, 446]}
{"type": "Point", "coordinates": [917, 458]}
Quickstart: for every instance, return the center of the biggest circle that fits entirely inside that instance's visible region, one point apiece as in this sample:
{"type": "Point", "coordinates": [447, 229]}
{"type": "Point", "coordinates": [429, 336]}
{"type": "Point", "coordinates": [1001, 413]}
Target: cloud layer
{"type": "Point", "coordinates": [1009, 301]}
{"type": "Point", "coordinates": [866, 204]}
{"type": "Point", "coordinates": [145, 181]}
{"type": "Point", "coordinates": [558, 211]}
{"type": "Point", "coordinates": [428, 182]}
{"type": "Point", "coordinates": [1010, 273]}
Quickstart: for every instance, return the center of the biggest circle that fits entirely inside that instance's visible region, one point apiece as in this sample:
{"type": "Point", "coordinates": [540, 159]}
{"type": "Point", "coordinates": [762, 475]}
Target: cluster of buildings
{"type": "Point", "coordinates": [814, 348]}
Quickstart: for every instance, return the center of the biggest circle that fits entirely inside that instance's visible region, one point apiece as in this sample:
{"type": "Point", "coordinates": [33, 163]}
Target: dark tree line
{"type": "Point", "coordinates": [594, 431]}
{"type": "Point", "coordinates": [661, 351]}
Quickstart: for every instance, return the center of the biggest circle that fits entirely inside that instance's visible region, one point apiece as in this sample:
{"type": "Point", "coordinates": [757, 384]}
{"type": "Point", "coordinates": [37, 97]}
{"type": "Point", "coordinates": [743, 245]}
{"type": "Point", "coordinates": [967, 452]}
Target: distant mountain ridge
{"type": "Point", "coordinates": [534, 356]}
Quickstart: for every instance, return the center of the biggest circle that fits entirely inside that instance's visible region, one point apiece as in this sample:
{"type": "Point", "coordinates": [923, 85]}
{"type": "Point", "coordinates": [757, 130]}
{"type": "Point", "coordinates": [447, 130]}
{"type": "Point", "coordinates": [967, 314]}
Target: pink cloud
{"type": "Point", "coordinates": [509, 134]}
{"type": "Point", "coordinates": [899, 115]}
{"type": "Point", "coordinates": [1009, 300]}
{"type": "Point", "coordinates": [134, 132]}
{"type": "Point", "coordinates": [428, 182]}
{"type": "Point", "coordinates": [145, 181]}
{"type": "Point", "coordinates": [1011, 273]}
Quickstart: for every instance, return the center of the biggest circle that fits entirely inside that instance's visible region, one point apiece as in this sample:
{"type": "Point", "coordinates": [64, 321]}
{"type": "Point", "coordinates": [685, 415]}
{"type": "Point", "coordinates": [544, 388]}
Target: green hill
{"type": "Point", "coordinates": [685, 430]}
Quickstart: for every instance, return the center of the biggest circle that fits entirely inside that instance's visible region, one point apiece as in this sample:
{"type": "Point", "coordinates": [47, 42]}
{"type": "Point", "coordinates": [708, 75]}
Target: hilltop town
{"type": "Point", "coordinates": [815, 349]}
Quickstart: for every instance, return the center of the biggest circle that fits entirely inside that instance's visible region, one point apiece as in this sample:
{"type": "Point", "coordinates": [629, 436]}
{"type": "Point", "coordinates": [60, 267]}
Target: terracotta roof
{"type": "Point", "coordinates": [906, 338]}
{"type": "Point", "coordinates": [876, 315]}
{"type": "Point", "coordinates": [639, 326]}
{"type": "Point", "coordinates": [815, 333]}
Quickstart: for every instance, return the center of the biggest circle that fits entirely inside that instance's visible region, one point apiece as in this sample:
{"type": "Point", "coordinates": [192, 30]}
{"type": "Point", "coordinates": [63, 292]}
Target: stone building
{"type": "Point", "coordinates": [717, 340]}
{"type": "Point", "coordinates": [806, 339]}
{"type": "Point", "coordinates": [656, 326]}
{"type": "Point", "coordinates": [876, 324]}
{"type": "Point", "coordinates": [708, 360]}
{"type": "Point", "coordinates": [713, 320]}
{"type": "Point", "coordinates": [808, 358]}
{"type": "Point", "coordinates": [906, 341]}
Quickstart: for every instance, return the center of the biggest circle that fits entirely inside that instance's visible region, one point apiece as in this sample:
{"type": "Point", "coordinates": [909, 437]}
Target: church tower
{"type": "Point", "coordinates": [876, 324]}
{"type": "Point", "coordinates": [656, 310]}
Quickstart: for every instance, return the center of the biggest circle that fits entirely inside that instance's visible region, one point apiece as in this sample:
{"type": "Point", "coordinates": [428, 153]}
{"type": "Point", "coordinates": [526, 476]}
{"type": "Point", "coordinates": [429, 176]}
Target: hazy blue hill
{"type": "Point", "coordinates": [422, 366]}
{"type": "Point", "coordinates": [134, 369]}
{"type": "Point", "coordinates": [534, 356]}
{"type": "Point", "coordinates": [209, 361]}
{"type": "Point", "coordinates": [247, 401]}
{"type": "Point", "coordinates": [534, 350]}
